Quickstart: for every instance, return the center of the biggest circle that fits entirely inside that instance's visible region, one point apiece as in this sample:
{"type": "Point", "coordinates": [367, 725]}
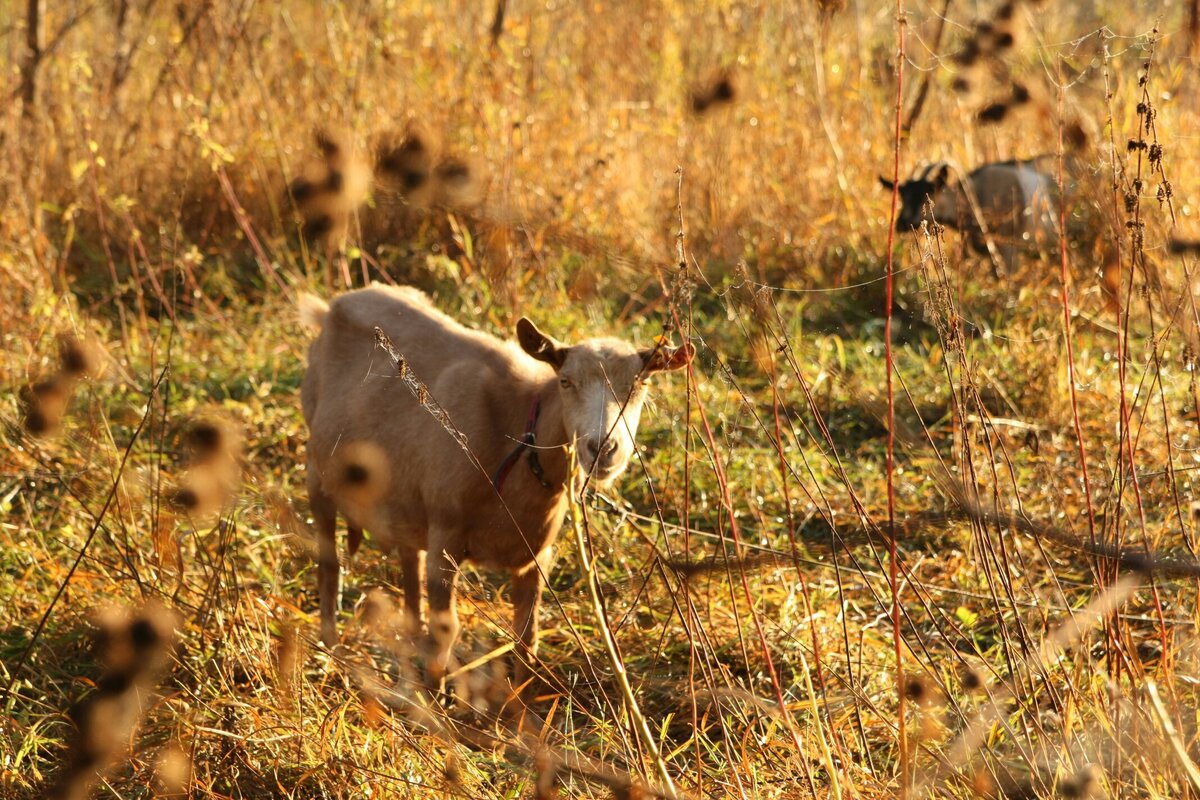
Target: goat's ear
{"type": "Point", "coordinates": [662, 359]}
{"type": "Point", "coordinates": [539, 345]}
{"type": "Point", "coordinates": [941, 176]}
{"type": "Point", "coordinates": [886, 183]}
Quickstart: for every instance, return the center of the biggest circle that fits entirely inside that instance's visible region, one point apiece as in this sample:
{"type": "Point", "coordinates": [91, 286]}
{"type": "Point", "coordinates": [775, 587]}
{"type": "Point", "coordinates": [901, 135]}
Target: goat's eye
{"type": "Point", "coordinates": [565, 383]}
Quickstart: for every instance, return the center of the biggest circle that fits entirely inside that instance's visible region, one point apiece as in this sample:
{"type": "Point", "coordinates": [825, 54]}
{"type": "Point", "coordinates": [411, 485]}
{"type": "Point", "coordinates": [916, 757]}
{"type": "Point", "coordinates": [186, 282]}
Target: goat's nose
{"type": "Point", "coordinates": [600, 454]}
{"type": "Point", "coordinates": [608, 452]}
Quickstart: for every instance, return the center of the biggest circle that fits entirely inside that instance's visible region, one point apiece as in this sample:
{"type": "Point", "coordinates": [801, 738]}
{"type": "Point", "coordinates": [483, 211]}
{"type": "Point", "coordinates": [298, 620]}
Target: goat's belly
{"type": "Point", "coordinates": [494, 541]}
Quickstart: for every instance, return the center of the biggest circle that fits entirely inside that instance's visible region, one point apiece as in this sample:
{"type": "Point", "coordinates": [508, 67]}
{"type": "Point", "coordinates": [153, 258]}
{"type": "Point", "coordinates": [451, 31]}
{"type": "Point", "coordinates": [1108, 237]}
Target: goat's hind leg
{"type": "Point", "coordinates": [441, 580]}
{"type": "Point", "coordinates": [324, 512]}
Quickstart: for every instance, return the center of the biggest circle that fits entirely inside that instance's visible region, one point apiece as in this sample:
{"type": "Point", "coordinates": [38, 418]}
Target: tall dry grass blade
{"type": "Point", "coordinates": [610, 646]}
{"type": "Point", "coordinates": [1178, 748]}
{"type": "Point", "coordinates": [1068, 633]}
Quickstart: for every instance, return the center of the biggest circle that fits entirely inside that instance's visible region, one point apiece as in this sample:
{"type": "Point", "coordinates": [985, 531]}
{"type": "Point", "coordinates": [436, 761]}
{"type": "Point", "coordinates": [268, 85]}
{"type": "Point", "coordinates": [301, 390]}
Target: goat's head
{"type": "Point", "coordinates": [602, 385]}
{"type": "Point", "coordinates": [917, 192]}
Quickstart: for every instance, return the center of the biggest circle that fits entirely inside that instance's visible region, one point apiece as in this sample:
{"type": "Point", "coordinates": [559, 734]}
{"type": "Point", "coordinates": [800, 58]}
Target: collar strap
{"type": "Point", "coordinates": [526, 442]}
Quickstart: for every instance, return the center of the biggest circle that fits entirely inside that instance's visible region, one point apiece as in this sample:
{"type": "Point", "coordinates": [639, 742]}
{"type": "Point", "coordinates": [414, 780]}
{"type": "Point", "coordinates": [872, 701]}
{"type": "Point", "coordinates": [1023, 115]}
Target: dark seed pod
{"type": "Point", "coordinates": [453, 170]}
{"type": "Point", "coordinates": [185, 498]}
{"type": "Point", "coordinates": [993, 113]}
{"type": "Point", "coordinates": [79, 358]}
{"type": "Point", "coordinates": [326, 143]}
{"type": "Point", "coordinates": [410, 162]}
{"type": "Point", "coordinates": [915, 689]}
{"type": "Point", "coordinates": [1075, 135]}
{"type": "Point", "coordinates": [969, 54]}
{"type": "Point", "coordinates": [302, 190]}
{"type": "Point", "coordinates": [723, 91]}
{"type": "Point", "coordinates": [318, 226]}
{"type": "Point", "coordinates": [205, 439]}
{"type": "Point", "coordinates": [356, 474]}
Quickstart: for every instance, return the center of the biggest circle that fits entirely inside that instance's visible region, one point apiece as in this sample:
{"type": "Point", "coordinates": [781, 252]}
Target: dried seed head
{"type": "Point", "coordinates": [80, 358]}
{"type": "Point", "coordinates": [379, 612]}
{"type": "Point", "coordinates": [1083, 784]}
{"type": "Point", "coordinates": [359, 474]}
{"type": "Point", "coordinates": [46, 403]}
{"type": "Point", "coordinates": [212, 438]}
{"type": "Point", "coordinates": [204, 490]}
{"type": "Point", "coordinates": [319, 226]}
{"type": "Point", "coordinates": [916, 689]}
{"type": "Point", "coordinates": [327, 142]}
{"type": "Point", "coordinates": [135, 647]}
{"type": "Point", "coordinates": [1180, 246]}
{"type": "Point", "coordinates": [185, 497]}
{"type": "Point", "coordinates": [406, 159]}
{"type": "Point", "coordinates": [720, 90]}
{"type": "Point", "coordinates": [331, 189]}
{"type": "Point", "coordinates": [723, 91]}
{"type": "Point", "coordinates": [969, 54]}
{"type": "Point", "coordinates": [972, 680]}
{"type": "Point", "coordinates": [173, 769]}
{"type": "Point", "coordinates": [302, 190]}
{"type": "Point", "coordinates": [356, 475]}
{"type": "Point", "coordinates": [134, 642]}
{"type": "Point", "coordinates": [458, 183]}
{"type": "Point", "coordinates": [993, 113]}
{"type": "Point", "coordinates": [1076, 137]}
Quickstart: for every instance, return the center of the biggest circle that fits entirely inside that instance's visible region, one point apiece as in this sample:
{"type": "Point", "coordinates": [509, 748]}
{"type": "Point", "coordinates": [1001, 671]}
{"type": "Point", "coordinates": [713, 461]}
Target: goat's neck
{"type": "Point", "coordinates": [551, 434]}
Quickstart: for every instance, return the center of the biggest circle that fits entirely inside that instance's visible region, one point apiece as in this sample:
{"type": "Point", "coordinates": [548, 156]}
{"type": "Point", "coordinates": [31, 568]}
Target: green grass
{"type": "Point", "coordinates": [119, 226]}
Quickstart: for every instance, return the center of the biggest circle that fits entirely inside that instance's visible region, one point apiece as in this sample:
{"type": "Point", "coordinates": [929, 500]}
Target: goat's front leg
{"type": "Point", "coordinates": [526, 600]}
{"type": "Point", "coordinates": [328, 569]}
{"type": "Point", "coordinates": [441, 578]}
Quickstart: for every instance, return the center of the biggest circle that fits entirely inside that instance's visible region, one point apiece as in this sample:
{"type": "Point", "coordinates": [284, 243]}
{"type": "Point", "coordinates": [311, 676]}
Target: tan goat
{"type": "Point", "coordinates": [389, 466]}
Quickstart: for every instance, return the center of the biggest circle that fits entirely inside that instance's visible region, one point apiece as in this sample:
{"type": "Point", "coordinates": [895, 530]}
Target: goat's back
{"type": "Point", "coordinates": [1016, 198]}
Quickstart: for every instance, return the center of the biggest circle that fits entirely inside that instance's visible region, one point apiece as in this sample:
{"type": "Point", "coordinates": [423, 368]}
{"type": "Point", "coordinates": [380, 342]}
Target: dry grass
{"type": "Point", "coordinates": [150, 251]}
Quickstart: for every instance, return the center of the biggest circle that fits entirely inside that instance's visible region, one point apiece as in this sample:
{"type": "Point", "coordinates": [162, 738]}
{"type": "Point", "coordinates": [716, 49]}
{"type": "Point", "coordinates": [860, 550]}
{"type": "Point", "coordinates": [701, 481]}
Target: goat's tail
{"type": "Point", "coordinates": [313, 310]}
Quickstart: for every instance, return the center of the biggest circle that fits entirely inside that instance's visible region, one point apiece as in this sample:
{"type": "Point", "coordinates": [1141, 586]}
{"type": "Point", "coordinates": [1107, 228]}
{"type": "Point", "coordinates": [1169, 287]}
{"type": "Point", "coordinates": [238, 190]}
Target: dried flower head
{"type": "Point", "coordinates": [458, 182]}
{"type": "Point", "coordinates": [406, 160]}
{"type": "Point", "coordinates": [46, 403]}
{"type": "Point", "coordinates": [332, 188]}
{"type": "Point", "coordinates": [211, 437]}
{"type": "Point", "coordinates": [1086, 783]}
{"type": "Point", "coordinates": [81, 358]}
{"type": "Point", "coordinates": [173, 770]}
{"type": "Point", "coordinates": [359, 474]}
{"type": "Point", "coordinates": [718, 91]}
{"type": "Point", "coordinates": [135, 648]}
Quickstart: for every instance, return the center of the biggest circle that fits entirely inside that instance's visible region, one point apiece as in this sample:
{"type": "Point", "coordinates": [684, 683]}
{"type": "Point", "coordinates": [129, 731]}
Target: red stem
{"type": "Point", "coordinates": [893, 567]}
